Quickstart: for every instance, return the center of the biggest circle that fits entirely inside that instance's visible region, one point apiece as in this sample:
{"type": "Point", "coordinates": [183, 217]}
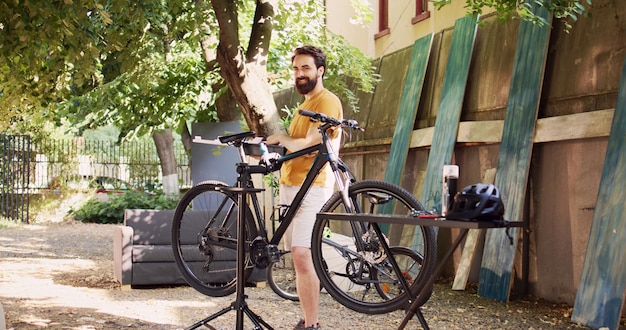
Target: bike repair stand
{"type": "Point", "coordinates": [240, 302]}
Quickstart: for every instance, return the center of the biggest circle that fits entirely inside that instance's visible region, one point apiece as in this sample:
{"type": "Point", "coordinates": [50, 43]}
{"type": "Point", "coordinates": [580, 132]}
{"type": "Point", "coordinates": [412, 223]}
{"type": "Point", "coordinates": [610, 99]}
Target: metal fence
{"type": "Point", "coordinates": [14, 176]}
{"type": "Point", "coordinates": [32, 168]}
{"type": "Point", "coordinates": [135, 164]}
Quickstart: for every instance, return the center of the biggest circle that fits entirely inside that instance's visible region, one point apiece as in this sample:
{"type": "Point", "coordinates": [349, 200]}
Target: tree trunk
{"type": "Point", "coordinates": [246, 74]}
{"type": "Point", "coordinates": [225, 104]}
{"type": "Point", "coordinates": [187, 140]}
{"type": "Point", "coordinates": [164, 143]}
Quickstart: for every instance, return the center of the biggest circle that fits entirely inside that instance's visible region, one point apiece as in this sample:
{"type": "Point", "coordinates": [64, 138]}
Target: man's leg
{"type": "Point", "coordinates": [307, 283]}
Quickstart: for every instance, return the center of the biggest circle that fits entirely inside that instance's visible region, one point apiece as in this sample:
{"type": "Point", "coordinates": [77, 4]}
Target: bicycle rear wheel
{"type": "Point", "coordinates": [281, 277]}
{"type": "Point", "coordinates": [204, 238]}
{"type": "Point", "coordinates": [349, 258]}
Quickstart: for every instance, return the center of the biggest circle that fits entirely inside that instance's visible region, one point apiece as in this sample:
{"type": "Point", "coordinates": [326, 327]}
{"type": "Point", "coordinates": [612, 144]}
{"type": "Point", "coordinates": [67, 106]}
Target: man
{"type": "Point", "coordinates": [309, 65]}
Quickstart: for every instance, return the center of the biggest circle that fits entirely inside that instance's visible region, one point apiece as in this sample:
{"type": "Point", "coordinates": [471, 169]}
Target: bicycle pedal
{"type": "Point", "coordinates": [274, 253]}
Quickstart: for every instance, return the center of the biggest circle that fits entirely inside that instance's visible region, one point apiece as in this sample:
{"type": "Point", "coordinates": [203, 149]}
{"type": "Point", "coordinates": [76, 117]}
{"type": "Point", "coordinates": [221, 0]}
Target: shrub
{"type": "Point", "coordinates": [112, 209]}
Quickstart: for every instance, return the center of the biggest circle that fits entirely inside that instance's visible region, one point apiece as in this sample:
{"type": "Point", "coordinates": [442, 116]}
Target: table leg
{"type": "Point", "coordinates": [415, 306]}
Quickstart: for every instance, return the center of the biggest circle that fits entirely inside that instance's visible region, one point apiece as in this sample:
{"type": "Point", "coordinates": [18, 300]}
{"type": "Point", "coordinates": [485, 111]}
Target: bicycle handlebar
{"type": "Point", "coordinates": [272, 161]}
{"type": "Point", "coordinates": [316, 116]}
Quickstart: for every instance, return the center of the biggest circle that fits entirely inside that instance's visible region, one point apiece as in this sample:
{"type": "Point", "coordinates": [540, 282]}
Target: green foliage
{"type": "Point", "coordinates": [565, 10]}
{"type": "Point", "coordinates": [273, 182]}
{"type": "Point", "coordinates": [112, 209]}
{"type": "Point", "coordinates": [363, 12]}
{"type": "Point", "coordinates": [104, 134]}
{"type": "Point", "coordinates": [287, 117]}
{"type": "Point", "coordinates": [8, 223]}
{"type": "Point", "coordinates": [155, 95]}
{"type": "Point", "coordinates": [51, 50]}
{"type": "Point", "coordinates": [46, 48]}
{"type": "Point", "coordinates": [348, 67]}
{"type": "Point", "coordinates": [345, 63]}
{"type": "Point", "coordinates": [139, 65]}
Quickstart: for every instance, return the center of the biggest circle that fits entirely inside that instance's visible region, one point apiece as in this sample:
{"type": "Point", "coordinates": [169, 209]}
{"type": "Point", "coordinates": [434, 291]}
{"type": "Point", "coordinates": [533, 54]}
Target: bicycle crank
{"type": "Point", "coordinates": [264, 254]}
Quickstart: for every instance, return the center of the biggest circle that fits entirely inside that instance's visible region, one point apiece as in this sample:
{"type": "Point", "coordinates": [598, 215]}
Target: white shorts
{"type": "Point", "coordinates": [299, 231]}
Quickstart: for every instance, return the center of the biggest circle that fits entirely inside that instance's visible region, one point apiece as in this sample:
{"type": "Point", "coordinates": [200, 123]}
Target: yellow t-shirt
{"type": "Point", "coordinates": [294, 171]}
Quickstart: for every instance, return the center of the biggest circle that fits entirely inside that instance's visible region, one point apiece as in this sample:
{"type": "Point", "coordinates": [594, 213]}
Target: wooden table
{"type": "Point", "coordinates": [465, 226]}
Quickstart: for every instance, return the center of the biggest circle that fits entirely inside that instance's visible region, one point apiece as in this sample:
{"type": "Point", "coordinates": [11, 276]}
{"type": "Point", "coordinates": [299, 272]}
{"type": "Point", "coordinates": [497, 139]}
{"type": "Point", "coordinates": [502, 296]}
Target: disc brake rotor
{"type": "Point", "coordinates": [375, 253]}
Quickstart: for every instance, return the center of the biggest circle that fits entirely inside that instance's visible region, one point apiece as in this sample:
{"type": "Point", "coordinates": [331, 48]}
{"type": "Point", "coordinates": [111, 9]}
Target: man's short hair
{"type": "Point", "coordinates": [318, 55]}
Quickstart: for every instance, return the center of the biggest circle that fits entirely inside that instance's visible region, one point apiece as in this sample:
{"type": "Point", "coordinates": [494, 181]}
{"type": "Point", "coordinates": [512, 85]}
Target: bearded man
{"type": "Point", "coordinates": [309, 65]}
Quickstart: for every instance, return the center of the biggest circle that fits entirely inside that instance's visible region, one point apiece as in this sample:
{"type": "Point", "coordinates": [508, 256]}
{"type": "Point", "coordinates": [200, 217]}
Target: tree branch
{"type": "Point", "coordinates": [227, 19]}
{"type": "Point", "coordinates": [261, 32]}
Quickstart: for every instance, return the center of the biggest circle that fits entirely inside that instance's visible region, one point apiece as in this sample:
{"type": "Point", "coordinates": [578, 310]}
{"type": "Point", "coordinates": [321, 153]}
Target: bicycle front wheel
{"type": "Point", "coordinates": [349, 257]}
{"type": "Point", "coordinates": [204, 238]}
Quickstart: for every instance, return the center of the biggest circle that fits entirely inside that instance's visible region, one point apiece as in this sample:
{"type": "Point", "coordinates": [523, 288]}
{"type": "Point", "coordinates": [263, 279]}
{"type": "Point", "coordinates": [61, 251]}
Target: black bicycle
{"type": "Point", "coordinates": [368, 267]}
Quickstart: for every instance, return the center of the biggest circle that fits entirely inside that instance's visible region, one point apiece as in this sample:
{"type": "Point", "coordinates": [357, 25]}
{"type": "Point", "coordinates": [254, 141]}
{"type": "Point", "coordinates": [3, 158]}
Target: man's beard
{"type": "Point", "coordinates": [307, 87]}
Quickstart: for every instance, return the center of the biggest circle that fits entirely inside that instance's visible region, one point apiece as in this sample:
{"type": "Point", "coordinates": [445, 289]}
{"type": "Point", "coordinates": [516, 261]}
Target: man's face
{"type": "Point", "coordinates": [305, 73]}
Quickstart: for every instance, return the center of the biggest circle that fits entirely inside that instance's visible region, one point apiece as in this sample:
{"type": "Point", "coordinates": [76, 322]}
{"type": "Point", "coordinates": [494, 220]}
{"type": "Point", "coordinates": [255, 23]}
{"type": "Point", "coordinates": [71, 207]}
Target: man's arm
{"type": "Point", "coordinates": [292, 144]}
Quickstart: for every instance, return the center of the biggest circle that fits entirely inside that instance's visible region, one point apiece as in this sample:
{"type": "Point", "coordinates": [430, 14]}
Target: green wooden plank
{"type": "Point", "coordinates": [411, 94]}
{"type": "Point", "coordinates": [449, 114]}
{"type": "Point", "coordinates": [600, 295]}
{"type": "Point", "coordinates": [515, 153]}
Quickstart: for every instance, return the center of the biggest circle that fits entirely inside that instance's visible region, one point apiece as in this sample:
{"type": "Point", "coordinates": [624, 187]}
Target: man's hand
{"type": "Point", "coordinates": [292, 144]}
{"type": "Point", "coordinates": [275, 138]}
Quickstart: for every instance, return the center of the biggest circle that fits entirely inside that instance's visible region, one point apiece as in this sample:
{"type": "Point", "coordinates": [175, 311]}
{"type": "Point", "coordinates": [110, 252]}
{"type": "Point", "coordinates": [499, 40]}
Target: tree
{"type": "Point", "coordinates": [150, 67]}
{"type": "Point", "coordinates": [565, 10]}
{"type": "Point", "coordinates": [245, 71]}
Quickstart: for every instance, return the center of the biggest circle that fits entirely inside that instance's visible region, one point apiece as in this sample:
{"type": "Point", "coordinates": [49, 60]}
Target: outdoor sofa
{"type": "Point", "coordinates": [143, 256]}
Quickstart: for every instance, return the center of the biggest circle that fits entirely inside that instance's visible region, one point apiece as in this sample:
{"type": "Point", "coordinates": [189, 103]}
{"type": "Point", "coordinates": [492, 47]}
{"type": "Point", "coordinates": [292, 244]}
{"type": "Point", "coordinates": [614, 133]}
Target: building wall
{"type": "Point", "coordinates": [339, 21]}
{"type": "Point", "coordinates": [402, 31]}
{"type": "Point", "coordinates": [582, 76]}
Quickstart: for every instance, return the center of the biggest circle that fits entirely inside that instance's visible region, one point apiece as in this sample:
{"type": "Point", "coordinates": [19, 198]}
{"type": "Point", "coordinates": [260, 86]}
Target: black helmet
{"type": "Point", "coordinates": [477, 202]}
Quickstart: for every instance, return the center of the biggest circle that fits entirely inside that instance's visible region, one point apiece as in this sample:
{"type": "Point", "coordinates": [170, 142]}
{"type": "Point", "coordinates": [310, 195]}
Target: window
{"type": "Point", "coordinates": [383, 19]}
{"type": "Point", "coordinates": [421, 11]}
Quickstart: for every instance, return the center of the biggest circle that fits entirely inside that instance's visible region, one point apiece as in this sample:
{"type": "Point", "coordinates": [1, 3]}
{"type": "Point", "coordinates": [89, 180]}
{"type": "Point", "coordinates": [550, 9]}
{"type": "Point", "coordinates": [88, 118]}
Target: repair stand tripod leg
{"type": "Point", "coordinates": [243, 307]}
{"type": "Point", "coordinates": [421, 319]}
{"type": "Point", "coordinates": [415, 306]}
{"type": "Point", "coordinates": [239, 305]}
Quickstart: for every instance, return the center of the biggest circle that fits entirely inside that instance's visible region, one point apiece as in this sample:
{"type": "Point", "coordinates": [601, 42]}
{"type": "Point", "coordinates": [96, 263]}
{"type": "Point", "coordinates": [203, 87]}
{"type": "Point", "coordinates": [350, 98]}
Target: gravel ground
{"type": "Point", "coordinates": [60, 276]}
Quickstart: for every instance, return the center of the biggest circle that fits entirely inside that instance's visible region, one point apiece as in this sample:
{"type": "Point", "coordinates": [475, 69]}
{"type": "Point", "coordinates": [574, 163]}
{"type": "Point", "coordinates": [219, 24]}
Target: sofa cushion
{"type": "Point", "coordinates": [150, 227]}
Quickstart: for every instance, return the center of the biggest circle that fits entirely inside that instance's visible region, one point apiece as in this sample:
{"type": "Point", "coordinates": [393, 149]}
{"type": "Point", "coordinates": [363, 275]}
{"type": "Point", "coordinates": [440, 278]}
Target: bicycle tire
{"type": "Point", "coordinates": [212, 215]}
{"type": "Point", "coordinates": [346, 274]}
{"type": "Point", "coordinates": [281, 277]}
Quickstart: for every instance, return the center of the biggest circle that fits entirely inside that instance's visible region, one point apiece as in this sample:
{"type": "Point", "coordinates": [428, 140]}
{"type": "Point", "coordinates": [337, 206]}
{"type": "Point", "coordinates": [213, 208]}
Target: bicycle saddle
{"type": "Point", "coordinates": [236, 137]}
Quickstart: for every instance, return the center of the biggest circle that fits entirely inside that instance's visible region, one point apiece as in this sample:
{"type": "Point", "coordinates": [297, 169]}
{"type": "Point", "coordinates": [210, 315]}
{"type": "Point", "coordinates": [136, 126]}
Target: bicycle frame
{"type": "Point", "coordinates": [324, 154]}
